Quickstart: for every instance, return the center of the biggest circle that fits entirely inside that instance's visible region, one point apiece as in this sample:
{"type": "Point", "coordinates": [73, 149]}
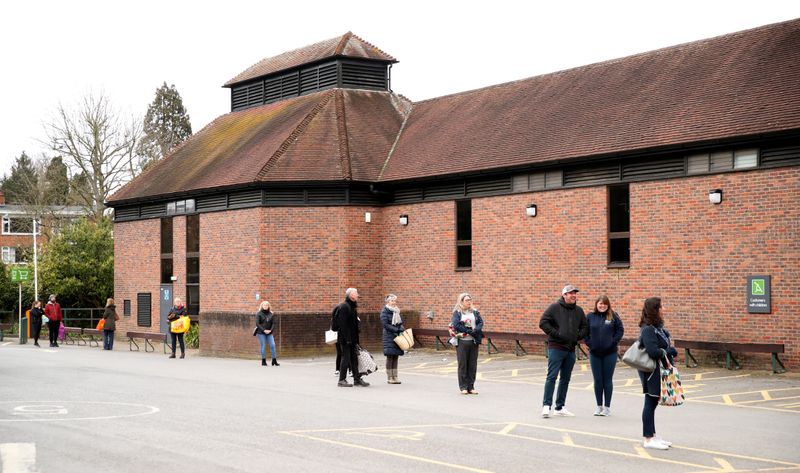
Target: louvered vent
{"type": "Point", "coordinates": [489, 187]}
{"type": "Point", "coordinates": [239, 98]}
{"type": "Point", "coordinates": [447, 191]}
{"type": "Point", "coordinates": [144, 316]}
{"type": "Point", "coordinates": [285, 197]}
{"type": "Point", "coordinates": [585, 176]}
{"type": "Point", "coordinates": [255, 94]}
{"type": "Point", "coordinates": [248, 198]}
{"type": "Point", "coordinates": [153, 210]}
{"type": "Point", "coordinates": [318, 78]}
{"type": "Point", "coordinates": [363, 196]}
{"type": "Point", "coordinates": [408, 195]}
{"type": "Point", "coordinates": [364, 75]}
{"type": "Point", "coordinates": [211, 202]}
{"type": "Point", "coordinates": [327, 196]}
{"type": "Point", "coordinates": [653, 169]}
{"type": "Point", "coordinates": [784, 156]}
{"type": "Point", "coordinates": [126, 213]}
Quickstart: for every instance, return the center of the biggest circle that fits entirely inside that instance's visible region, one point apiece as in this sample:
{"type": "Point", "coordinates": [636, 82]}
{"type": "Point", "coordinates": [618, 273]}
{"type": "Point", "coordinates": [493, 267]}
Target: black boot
{"type": "Point", "coordinates": [263, 362]}
{"type": "Point", "coordinates": [275, 362]}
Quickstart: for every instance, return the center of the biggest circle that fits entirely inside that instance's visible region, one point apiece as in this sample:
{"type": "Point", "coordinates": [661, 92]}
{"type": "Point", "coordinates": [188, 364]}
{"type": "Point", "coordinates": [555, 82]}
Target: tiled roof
{"type": "Point", "coordinates": [338, 134]}
{"type": "Point", "coordinates": [740, 84]}
{"type": "Point", "coordinates": [348, 45]}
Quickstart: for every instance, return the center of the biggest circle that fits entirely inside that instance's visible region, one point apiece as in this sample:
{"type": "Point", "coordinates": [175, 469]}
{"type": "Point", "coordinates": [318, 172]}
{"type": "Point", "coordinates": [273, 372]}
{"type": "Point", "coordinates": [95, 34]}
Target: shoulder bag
{"type": "Point", "coordinates": [636, 357]}
{"type": "Point", "coordinates": [405, 340]}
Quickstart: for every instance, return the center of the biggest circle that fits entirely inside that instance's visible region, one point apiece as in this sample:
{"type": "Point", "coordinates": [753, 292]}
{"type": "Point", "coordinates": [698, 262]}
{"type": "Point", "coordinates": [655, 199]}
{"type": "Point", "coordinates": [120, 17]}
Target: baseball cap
{"type": "Point", "coordinates": [569, 288]}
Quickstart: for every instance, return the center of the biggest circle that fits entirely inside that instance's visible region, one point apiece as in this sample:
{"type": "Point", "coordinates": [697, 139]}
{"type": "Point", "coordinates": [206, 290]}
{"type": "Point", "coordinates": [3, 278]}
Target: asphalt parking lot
{"type": "Point", "coordinates": [83, 409]}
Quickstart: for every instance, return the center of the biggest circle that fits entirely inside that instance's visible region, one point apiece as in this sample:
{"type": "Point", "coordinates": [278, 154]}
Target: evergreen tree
{"type": "Point", "coordinates": [21, 185]}
{"type": "Point", "coordinates": [56, 182]}
{"type": "Point", "coordinates": [166, 124]}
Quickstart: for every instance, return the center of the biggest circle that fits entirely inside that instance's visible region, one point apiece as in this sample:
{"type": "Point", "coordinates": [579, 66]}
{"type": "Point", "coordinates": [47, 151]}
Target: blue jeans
{"type": "Point", "coordinates": [108, 339]}
{"type": "Point", "coordinates": [649, 415]}
{"type": "Point", "coordinates": [603, 374]}
{"type": "Point", "coordinates": [559, 365]}
{"type": "Point", "coordinates": [262, 339]}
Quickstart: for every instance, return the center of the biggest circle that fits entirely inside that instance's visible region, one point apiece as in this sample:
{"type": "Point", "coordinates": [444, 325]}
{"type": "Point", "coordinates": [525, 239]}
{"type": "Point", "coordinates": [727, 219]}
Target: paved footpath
{"type": "Point", "coordinates": [81, 409]}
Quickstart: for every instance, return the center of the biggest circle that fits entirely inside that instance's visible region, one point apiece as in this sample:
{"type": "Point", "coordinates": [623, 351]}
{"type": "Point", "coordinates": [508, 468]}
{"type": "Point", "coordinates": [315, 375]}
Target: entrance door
{"type": "Point", "coordinates": [165, 305]}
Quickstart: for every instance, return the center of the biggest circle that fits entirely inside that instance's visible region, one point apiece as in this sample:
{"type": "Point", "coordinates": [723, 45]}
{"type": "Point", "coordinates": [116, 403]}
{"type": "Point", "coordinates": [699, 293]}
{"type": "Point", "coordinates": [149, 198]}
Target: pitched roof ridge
{"type": "Point", "coordinates": [299, 129]}
{"type": "Point", "coordinates": [667, 49]}
{"type": "Point", "coordinates": [406, 112]}
{"type": "Point", "coordinates": [373, 46]}
{"type": "Point", "coordinates": [344, 143]}
{"type": "Point", "coordinates": [342, 43]}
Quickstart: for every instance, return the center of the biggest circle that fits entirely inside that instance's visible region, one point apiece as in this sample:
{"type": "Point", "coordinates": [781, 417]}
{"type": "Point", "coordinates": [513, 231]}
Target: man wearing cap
{"type": "Point", "coordinates": [564, 323]}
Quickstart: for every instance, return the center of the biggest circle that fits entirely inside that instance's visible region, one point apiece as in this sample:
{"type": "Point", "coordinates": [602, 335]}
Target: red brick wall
{"type": "Point", "coordinates": [137, 268]}
{"type": "Point", "coordinates": [693, 254]}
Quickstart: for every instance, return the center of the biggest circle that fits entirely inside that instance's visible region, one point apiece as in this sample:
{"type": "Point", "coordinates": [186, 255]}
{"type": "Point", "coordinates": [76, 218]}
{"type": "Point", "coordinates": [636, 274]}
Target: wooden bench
{"type": "Point", "coordinates": [146, 336]}
{"type": "Point", "coordinates": [74, 335]}
{"type": "Point", "coordinates": [518, 338]}
{"type": "Point", "coordinates": [729, 348]}
{"type": "Point", "coordinates": [4, 328]}
{"type": "Point", "coordinates": [429, 332]}
{"type": "Point", "coordinates": [95, 336]}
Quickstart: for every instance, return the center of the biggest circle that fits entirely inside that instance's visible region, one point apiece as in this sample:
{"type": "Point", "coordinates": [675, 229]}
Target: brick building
{"type": "Point", "coordinates": [322, 177]}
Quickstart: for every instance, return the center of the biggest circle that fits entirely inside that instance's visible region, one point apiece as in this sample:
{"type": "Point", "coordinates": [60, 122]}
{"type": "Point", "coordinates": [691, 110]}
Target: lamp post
{"type": "Point", "coordinates": [35, 265]}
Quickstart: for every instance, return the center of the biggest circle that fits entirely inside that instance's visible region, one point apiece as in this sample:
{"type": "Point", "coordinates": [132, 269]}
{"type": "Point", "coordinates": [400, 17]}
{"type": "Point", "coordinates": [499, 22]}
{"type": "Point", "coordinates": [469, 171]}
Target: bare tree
{"type": "Point", "coordinates": [95, 142]}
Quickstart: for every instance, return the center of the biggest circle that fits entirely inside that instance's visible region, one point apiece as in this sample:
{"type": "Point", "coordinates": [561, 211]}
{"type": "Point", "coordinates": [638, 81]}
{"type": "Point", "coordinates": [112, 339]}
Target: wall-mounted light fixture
{"type": "Point", "coordinates": [530, 211]}
{"type": "Point", "coordinates": [404, 219]}
{"type": "Point", "coordinates": [367, 217]}
{"type": "Point", "coordinates": [715, 196]}
{"type": "Point", "coordinates": [430, 315]}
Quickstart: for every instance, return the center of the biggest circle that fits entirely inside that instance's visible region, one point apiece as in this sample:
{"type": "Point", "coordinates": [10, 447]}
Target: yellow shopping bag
{"type": "Point", "coordinates": [181, 325]}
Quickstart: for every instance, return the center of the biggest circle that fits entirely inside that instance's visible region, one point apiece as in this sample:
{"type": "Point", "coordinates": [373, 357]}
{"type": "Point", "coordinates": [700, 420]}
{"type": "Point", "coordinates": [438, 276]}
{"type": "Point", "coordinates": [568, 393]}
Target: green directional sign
{"type": "Point", "coordinates": [758, 294]}
{"type": "Point", "coordinates": [19, 274]}
{"type": "Point", "coordinates": [758, 286]}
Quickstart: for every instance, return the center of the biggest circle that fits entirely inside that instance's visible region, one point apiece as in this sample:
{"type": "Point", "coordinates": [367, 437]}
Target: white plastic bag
{"type": "Point", "coordinates": [331, 337]}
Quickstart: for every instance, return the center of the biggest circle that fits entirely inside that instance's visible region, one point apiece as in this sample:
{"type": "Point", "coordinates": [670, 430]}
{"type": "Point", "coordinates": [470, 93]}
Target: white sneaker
{"type": "Point", "coordinates": [563, 412]}
{"type": "Point", "coordinates": [546, 411]}
{"type": "Point", "coordinates": [654, 444]}
{"type": "Point", "coordinates": [665, 442]}
{"type": "Point", "coordinates": [606, 411]}
{"type": "Point", "coordinates": [598, 411]}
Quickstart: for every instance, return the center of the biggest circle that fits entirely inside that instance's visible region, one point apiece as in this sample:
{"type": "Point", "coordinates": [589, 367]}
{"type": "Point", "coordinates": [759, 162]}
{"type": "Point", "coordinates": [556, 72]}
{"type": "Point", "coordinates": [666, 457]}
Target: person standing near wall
{"type": "Point", "coordinates": [177, 311]}
{"type": "Point", "coordinates": [264, 324]}
{"type": "Point", "coordinates": [36, 321]}
{"type": "Point", "coordinates": [605, 332]}
{"type": "Point", "coordinates": [53, 312]}
{"type": "Point", "coordinates": [110, 325]}
{"type": "Point", "coordinates": [392, 327]}
{"type": "Point", "coordinates": [346, 322]}
{"type": "Point", "coordinates": [468, 323]}
{"type": "Point", "coordinates": [565, 324]}
{"type": "Point", "coordinates": [658, 344]}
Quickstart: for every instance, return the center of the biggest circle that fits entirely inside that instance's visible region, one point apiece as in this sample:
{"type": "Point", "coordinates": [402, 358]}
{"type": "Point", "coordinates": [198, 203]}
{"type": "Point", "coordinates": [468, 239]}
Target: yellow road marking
{"type": "Point", "coordinates": [421, 365]}
{"type": "Point", "coordinates": [766, 395]}
{"type": "Point", "coordinates": [568, 440]}
{"type": "Point", "coordinates": [486, 360]}
{"type": "Point", "coordinates": [725, 465]}
{"type": "Point", "coordinates": [750, 392]}
{"type": "Point", "coordinates": [388, 452]}
{"type": "Point", "coordinates": [642, 452]}
{"type": "Point", "coordinates": [514, 373]}
{"type": "Point", "coordinates": [769, 399]}
{"type": "Point", "coordinates": [584, 367]}
{"type": "Point", "coordinates": [727, 399]}
{"type": "Point", "coordinates": [397, 434]}
{"type": "Point", "coordinates": [508, 428]}
{"type": "Point", "coordinates": [630, 381]}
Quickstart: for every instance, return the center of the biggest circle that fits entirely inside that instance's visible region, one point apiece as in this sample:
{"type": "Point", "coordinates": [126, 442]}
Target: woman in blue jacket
{"type": "Point", "coordinates": [392, 327]}
{"type": "Point", "coordinates": [658, 344]}
{"type": "Point", "coordinates": [605, 332]}
{"type": "Point", "coordinates": [468, 327]}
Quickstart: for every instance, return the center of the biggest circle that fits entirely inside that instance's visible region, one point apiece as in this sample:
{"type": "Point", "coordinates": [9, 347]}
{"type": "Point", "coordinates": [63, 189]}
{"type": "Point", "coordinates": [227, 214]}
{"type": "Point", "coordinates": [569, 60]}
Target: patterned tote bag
{"type": "Point", "coordinates": [671, 388]}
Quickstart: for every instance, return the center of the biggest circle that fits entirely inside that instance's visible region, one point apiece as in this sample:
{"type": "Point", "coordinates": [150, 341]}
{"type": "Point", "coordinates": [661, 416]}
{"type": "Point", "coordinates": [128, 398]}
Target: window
{"type": "Point", "coordinates": [745, 158]}
{"type": "Point", "coordinates": [143, 312]}
{"type": "Point", "coordinates": [463, 234]}
{"type": "Point", "coordinates": [18, 226]}
{"type": "Point", "coordinates": [126, 307]}
{"type": "Point", "coordinates": [180, 207]}
{"type": "Point", "coordinates": [619, 218]}
{"type": "Point", "coordinates": [9, 254]}
{"type": "Point", "coordinates": [721, 161]}
{"type": "Point", "coordinates": [166, 250]}
{"type": "Point", "coordinates": [193, 264]}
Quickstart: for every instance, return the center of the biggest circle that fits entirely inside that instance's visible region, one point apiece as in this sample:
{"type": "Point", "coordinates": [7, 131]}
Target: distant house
{"type": "Point", "coordinates": [16, 237]}
{"type": "Point", "coordinates": [673, 172]}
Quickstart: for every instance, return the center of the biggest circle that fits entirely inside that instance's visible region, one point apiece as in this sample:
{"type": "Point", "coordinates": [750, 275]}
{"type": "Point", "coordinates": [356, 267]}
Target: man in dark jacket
{"type": "Point", "coordinates": [565, 324]}
{"type": "Point", "coordinates": [346, 315]}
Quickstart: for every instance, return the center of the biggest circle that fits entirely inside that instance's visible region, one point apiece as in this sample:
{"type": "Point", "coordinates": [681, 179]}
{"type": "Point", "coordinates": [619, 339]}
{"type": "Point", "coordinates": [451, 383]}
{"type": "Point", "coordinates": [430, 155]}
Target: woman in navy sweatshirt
{"type": "Point", "coordinates": [605, 332]}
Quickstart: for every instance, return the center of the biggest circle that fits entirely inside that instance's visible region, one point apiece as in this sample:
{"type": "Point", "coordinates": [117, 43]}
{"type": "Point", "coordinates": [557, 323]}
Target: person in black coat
{"type": "Point", "coordinates": [392, 327]}
{"type": "Point", "coordinates": [468, 327]}
{"type": "Point", "coordinates": [605, 332]}
{"type": "Point", "coordinates": [657, 342]}
{"type": "Point", "coordinates": [177, 311]}
{"type": "Point", "coordinates": [264, 323]}
{"type": "Point", "coordinates": [36, 321]}
{"type": "Point", "coordinates": [346, 323]}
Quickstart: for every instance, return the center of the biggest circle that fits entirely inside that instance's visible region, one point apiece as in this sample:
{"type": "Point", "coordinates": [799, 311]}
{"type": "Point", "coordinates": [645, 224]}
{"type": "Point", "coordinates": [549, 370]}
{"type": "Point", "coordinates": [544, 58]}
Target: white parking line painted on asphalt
{"type": "Point", "coordinates": [18, 458]}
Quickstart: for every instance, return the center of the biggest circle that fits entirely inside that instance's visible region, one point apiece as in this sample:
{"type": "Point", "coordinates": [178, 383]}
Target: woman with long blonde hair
{"type": "Point", "coordinates": [264, 324]}
{"type": "Point", "coordinates": [468, 327]}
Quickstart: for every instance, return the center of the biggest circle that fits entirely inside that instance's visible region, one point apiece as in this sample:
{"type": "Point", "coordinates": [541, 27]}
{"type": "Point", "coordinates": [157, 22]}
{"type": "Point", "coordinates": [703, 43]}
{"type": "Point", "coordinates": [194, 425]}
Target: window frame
{"type": "Point", "coordinates": [614, 235]}
{"type": "Point", "coordinates": [463, 243]}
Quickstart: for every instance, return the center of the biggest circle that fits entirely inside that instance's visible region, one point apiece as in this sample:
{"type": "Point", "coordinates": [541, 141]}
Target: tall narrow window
{"type": "Point", "coordinates": [166, 250]}
{"type": "Point", "coordinates": [619, 226]}
{"type": "Point", "coordinates": [193, 264]}
{"type": "Point", "coordinates": [463, 235]}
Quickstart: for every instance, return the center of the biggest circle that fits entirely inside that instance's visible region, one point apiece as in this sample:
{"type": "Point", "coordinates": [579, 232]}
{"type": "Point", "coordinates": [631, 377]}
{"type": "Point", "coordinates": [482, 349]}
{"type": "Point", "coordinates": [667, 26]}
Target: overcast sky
{"type": "Point", "coordinates": [57, 52]}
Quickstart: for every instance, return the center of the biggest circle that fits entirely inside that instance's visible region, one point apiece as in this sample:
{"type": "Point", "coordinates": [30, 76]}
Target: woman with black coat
{"type": "Point", "coordinates": [264, 323]}
{"type": "Point", "coordinates": [658, 344]}
{"type": "Point", "coordinates": [36, 321]}
{"type": "Point", "coordinates": [605, 333]}
{"type": "Point", "coordinates": [468, 327]}
{"type": "Point", "coordinates": [392, 327]}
